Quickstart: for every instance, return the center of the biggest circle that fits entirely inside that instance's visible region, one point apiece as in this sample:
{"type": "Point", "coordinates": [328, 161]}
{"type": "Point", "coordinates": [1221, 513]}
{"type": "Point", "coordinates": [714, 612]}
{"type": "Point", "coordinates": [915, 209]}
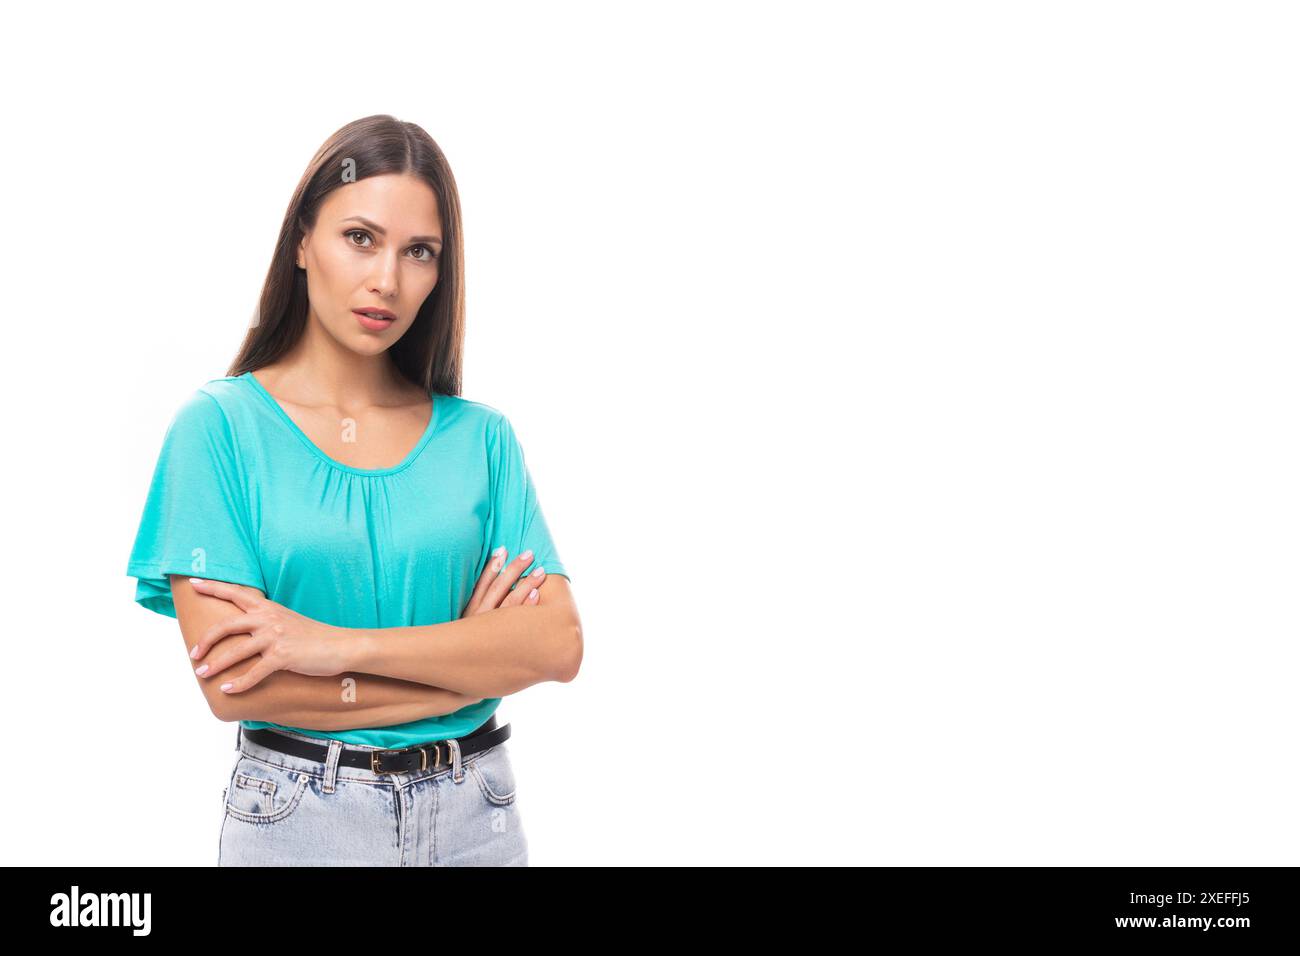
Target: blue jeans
{"type": "Point", "coordinates": [285, 810]}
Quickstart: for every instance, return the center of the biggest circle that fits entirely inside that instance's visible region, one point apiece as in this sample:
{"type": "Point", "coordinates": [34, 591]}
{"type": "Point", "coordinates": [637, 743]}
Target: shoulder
{"type": "Point", "coordinates": [226, 392]}
{"type": "Point", "coordinates": [210, 408]}
{"type": "Point", "coordinates": [477, 417]}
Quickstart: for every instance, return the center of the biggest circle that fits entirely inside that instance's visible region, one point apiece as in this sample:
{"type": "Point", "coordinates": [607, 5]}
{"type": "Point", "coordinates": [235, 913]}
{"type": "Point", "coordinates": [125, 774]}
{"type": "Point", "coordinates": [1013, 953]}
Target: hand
{"type": "Point", "coordinates": [493, 588]}
{"type": "Point", "coordinates": [286, 639]}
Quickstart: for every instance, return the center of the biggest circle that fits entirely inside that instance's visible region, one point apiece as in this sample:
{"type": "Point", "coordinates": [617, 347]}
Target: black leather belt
{"type": "Point", "coordinates": [435, 754]}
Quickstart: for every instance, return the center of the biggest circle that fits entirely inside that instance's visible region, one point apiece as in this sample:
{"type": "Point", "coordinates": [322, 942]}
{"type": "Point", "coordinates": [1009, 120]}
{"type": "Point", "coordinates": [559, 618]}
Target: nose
{"type": "Point", "coordinates": [383, 281]}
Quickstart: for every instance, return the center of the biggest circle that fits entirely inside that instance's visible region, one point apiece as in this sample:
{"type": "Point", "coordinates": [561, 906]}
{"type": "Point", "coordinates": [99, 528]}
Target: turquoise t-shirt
{"type": "Point", "coordinates": [241, 494]}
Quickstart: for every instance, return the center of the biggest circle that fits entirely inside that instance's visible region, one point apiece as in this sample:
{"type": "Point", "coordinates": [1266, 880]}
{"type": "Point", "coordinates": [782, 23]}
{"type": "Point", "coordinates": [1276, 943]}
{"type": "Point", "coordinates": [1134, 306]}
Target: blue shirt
{"type": "Point", "coordinates": [241, 494]}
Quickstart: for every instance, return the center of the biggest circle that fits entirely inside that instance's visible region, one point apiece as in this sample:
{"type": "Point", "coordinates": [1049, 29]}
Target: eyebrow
{"type": "Point", "coordinates": [436, 240]}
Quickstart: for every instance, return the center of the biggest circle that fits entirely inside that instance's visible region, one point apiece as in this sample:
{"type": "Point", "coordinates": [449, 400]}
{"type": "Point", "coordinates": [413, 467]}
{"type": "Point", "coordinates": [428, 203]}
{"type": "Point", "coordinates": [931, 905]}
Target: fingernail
{"type": "Point", "coordinates": [532, 595]}
{"type": "Point", "coordinates": [227, 685]}
{"type": "Point", "coordinates": [201, 670]}
{"type": "Point", "coordinates": [538, 572]}
{"type": "Point", "coordinates": [499, 551]}
{"type": "Point", "coordinates": [527, 555]}
{"type": "Point", "coordinates": [194, 651]}
{"type": "Point", "coordinates": [196, 580]}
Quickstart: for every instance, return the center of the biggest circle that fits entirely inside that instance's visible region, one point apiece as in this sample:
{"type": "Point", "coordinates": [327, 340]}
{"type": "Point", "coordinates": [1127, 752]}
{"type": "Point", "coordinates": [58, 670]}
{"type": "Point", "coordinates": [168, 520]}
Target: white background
{"type": "Point", "coordinates": [910, 389]}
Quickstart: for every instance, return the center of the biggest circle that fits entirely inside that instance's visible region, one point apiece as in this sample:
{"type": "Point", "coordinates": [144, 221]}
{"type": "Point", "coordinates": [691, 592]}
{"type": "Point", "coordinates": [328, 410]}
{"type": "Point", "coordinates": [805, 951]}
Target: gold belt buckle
{"type": "Point", "coordinates": [424, 758]}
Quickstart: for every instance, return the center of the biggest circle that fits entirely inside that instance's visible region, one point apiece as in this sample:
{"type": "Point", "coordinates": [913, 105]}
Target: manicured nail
{"type": "Point", "coordinates": [538, 573]}
{"type": "Point", "coordinates": [532, 595]}
{"type": "Point", "coordinates": [527, 555]}
{"type": "Point", "coordinates": [201, 670]}
{"type": "Point", "coordinates": [499, 551]}
{"type": "Point", "coordinates": [227, 685]}
{"type": "Point", "coordinates": [194, 651]}
{"type": "Point", "coordinates": [196, 580]}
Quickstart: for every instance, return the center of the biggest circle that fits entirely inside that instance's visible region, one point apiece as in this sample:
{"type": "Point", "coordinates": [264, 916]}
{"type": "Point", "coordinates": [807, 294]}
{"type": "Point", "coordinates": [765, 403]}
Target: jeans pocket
{"type": "Point", "coordinates": [263, 793]}
{"type": "Point", "coordinates": [494, 774]}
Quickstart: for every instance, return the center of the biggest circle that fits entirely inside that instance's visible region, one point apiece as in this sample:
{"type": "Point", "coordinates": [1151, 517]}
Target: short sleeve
{"type": "Point", "coordinates": [517, 520]}
{"type": "Point", "coordinates": [195, 519]}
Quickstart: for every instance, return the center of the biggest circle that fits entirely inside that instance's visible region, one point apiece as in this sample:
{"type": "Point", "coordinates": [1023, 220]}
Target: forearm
{"type": "Point", "coordinates": [343, 702]}
{"type": "Point", "coordinates": [317, 703]}
{"type": "Point", "coordinates": [493, 654]}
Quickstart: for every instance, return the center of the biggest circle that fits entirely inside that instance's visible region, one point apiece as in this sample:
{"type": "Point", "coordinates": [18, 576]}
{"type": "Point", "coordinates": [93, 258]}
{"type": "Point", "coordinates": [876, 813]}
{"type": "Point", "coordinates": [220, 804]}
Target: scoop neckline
{"type": "Point", "coordinates": [333, 462]}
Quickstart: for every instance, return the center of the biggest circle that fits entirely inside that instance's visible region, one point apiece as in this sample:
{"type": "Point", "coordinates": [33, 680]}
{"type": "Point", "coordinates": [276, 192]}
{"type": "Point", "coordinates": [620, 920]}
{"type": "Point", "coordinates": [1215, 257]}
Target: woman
{"type": "Point", "coordinates": [355, 554]}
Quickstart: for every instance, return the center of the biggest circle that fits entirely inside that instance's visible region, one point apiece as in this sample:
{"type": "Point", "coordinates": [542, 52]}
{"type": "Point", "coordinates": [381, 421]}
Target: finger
{"type": "Point", "coordinates": [501, 586]}
{"type": "Point", "coordinates": [260, 670]}
{"type": "Point", "coordinates": [239, 596]}
{"type": "Point", "coordinates": [239, 624]}
{"type": "Point", "coordinates": [521, 594]}
{"type": "Point", "coordinates": [485, 579]}
{"type": "Point", "coordinates": [227, 656]}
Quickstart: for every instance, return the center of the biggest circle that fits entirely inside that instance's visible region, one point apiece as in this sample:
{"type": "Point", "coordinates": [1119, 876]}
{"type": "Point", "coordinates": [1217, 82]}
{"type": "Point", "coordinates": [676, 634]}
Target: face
{"type": "Point", "coordinates": [375, 246]}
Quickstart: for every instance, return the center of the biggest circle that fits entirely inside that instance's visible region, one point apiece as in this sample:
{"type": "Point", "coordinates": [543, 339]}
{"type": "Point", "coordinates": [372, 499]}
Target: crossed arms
{"type": "Point", "coordinates": [489, 654]}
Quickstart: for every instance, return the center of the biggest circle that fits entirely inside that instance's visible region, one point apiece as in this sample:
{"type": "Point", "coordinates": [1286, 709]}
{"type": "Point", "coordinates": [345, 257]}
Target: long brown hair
{"type": "Point", "coordinates": [430, 354]}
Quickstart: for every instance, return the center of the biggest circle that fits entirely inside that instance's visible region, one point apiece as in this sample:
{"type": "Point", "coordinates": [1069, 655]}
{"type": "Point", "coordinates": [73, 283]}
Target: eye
{"type": "Point", "coordinates": [357, 232]}
{"type": "Point", "coordinates": [431, 253]}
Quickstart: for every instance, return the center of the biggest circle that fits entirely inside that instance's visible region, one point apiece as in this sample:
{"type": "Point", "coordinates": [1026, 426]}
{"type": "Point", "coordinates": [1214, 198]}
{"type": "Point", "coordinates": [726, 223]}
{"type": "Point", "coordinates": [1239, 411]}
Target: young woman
{"type": "Point", "coordinates": [355, 554]}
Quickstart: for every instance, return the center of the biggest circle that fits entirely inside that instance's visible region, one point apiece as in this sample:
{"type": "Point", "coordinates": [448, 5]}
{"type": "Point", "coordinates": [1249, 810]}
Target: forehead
{"type": "Point", "coordinates": [401, 203]}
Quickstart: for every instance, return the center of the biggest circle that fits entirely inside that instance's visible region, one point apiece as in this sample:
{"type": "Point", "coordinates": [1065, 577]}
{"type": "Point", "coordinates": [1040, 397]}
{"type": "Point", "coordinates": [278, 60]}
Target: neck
{"type": "Point", "coordinates": [320, 371]}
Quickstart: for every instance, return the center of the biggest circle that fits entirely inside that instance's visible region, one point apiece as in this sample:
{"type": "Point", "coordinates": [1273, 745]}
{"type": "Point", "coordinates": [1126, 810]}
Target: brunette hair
{"type": "Point", "coordinates": [430, 354]}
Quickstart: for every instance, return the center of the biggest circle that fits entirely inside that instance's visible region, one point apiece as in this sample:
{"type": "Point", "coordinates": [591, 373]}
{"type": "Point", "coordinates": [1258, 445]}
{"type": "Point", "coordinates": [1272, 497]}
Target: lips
{"type": "Point", "coordinates": [374, 319]}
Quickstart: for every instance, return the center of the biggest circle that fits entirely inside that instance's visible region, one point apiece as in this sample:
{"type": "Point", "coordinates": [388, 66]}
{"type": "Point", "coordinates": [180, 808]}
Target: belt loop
{"type": "Point", "coordinates": [332, 765]}
{"type": "Point", "coordinates": [457, 774]}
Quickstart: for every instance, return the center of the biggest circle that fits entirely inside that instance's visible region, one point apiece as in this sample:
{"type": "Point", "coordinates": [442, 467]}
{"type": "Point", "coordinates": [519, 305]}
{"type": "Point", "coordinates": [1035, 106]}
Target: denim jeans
{"type": "Point", "coordinates": [285, 810]}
